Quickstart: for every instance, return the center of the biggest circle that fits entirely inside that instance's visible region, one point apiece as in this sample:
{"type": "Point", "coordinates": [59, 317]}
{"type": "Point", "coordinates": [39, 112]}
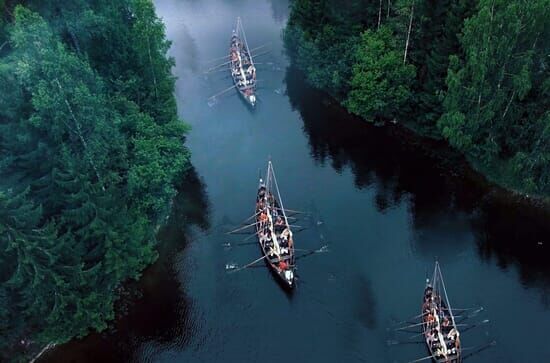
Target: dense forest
{"type": "Point", "coordinates": [472, 72]}
{"type": "Point", "coordinates": [91, 149]}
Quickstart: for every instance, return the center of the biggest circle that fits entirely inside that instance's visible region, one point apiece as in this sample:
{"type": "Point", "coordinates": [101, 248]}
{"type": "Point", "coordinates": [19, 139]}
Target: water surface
{"type": "Point", "coordinates": [386, 204]}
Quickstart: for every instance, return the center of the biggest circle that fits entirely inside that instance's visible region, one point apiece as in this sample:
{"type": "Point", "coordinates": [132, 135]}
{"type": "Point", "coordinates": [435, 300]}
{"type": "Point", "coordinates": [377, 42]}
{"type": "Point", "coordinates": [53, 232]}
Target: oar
{"type": "Point", "coordinates": [216, 67]}
{"type": "Point", "coordinates": [222, 92]}
{"type": "Point", "coordinates": [243, 227]}
{"type": "Point", "coordinates": [416, 335]}
{"type": "Point", "coordinates": [259, 55]}
{"type": "Point", "coordinates": [260, 47]}
{"type": "Point", "coordinates": [247, 238]}
{"type": "Point", "coordinates": [464, 309]}
{"type": "Point", "coordinates": [475, 325]}
{"type": "Point", "coordinates": [248, 265]}
{"type": "Point", "coordinates": [311, 252]}
{"type": "Point", "coordinates": [410, 326]}
{"type": "Point", "coordinates": [482, 348]}
{"type": "Point", "coordinates": [229, 245]}
{"type": "Point", "coordinates": [407, 321]}
{"type": "Point", "coordinates": [421, 359]}
{"type": "Point", "coordinates": [409, 331]}
{"type": "Point", "coordinates": [252, 216]}
{"type": "Point", "coordinates": [227, 56]}
{"type": "Point", "coordinates": [320, 250]}
{"type": "Point", "coordinates": [397, 342]}
{"type": "Point", "coordinates": [464, 318]}
{"type": "Point", "coordinates": [292, 211]}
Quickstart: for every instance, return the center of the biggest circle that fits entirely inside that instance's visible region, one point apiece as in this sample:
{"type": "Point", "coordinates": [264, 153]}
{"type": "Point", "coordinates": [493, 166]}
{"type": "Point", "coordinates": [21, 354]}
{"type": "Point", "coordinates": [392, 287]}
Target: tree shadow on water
{"type": "Point", "coordinates": [450, 206]}
{"type": "Point", "coordinates": [153, 314]}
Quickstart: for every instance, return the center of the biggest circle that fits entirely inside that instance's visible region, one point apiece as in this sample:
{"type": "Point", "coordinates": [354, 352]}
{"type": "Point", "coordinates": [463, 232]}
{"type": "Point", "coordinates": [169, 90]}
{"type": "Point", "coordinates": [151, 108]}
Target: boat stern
{"type": "Point", "coordinates": [252, 100]}
{"type": "Point", "coordinates": [288, 276]}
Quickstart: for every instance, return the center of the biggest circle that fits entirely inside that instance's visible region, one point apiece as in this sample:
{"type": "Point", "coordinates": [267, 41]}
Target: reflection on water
{"type": "Point", "coordinates": [442, 199]}
{"type": "Point", "coordinates": [386, 202]}
{"type": "Point", "coordinates": [279, 9]}
{"type": "Point", "coordinates": [154, 314]}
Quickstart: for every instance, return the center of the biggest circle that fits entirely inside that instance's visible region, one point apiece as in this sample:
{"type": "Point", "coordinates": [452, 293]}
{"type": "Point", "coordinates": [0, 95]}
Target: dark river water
{"type": "Point", "coordinates": [386, 203]}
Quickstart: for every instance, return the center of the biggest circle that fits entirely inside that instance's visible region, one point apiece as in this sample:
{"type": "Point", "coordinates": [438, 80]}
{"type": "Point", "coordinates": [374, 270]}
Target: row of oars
{"type": "Point", "coordinates": [212, 99]}
{"type": "Point", "coordinates": [214, 68]}
{"type": "Point", "coordinates": [464, 315]}
{"type": "Point", "coordinates": [475, 350]}
{"type": "Point", "coordinates": [289, 212]}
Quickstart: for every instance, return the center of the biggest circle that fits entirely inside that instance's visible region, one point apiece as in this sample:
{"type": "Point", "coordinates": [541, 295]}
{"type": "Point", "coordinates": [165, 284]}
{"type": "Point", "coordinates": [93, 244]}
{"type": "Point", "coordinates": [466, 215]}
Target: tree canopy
{"type": "Point", "coordinates": [474, 72]}
{"type": "Point", "coordinates": [91, 149]}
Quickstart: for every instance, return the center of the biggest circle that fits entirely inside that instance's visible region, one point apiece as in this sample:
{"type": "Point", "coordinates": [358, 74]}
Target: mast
{"type": "Point", "coordinates": [446, 297]}
{"type": "Point", "coordinates": [279, 196]}
{"type": "Point", "coordinates": [240, 25]}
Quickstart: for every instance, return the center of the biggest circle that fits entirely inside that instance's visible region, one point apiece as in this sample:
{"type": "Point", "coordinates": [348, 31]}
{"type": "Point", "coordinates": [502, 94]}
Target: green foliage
{"type": "Point", "coordinates": [91, 148]}
{"type": "Point", "coordinates": [380, 80]}
{"type": "Point", "coordinates": [474, 72]}
{"type": "Point", "coordinates": [497, 100]}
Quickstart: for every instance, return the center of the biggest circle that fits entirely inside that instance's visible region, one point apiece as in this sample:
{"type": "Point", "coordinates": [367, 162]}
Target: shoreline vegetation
{"type": "Point", "coordinates": [91, 153]}
{"type": "Point", "coordinates": [474, 73]}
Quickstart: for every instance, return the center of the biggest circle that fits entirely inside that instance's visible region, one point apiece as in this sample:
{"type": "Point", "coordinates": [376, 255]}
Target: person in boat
{"type": "Point", "coordinates": [268, 239]}
{"type": "Point", "coordinates": [283, 265]}
{"type": "Point", "coordinates": [430, 336]}
{"type": "Point", "coordinates": [452, 334]}
{"type": "Point", "coordinates": [263, 217]}
{"type": "Point", "coordinates": [445, 322]}
{"type": "Point", "coordinates": [279, 224]}
{"type": "Point", "coordinates": [430, 319]}
{"type": "Point", "coordinates": [261, 235]}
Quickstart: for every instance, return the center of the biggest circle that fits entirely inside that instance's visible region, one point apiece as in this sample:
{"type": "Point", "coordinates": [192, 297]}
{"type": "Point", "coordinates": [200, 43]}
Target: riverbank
{"type": "Point", "coordinates": [93, 151]}
{"type": "Point", "coordinates": [145, 306]}
{"type": "Point", "coordinates": [413, 63]}
{"type": "Point", "coordinates": [385, 207]}
{"type": "Point", "coordinates": [439, 150]}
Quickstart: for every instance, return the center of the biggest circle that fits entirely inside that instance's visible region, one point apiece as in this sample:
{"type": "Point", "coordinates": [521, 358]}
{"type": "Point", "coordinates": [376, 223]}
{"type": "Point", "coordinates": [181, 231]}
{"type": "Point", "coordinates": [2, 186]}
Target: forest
{"type": "Point", "coordinates": [91, 152]}
{"type": "Point", "coordinates": [472, 72]}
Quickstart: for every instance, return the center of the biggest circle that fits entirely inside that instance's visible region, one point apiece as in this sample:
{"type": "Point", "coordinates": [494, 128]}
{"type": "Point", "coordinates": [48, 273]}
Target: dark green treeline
{"type": "Point", "coordinates": [90, 150]}
{"type": "Point", "coordinates": [474, 72]}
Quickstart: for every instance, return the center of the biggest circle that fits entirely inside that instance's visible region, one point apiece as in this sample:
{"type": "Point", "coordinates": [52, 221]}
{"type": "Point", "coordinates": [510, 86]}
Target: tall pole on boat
{"type": "Point", "coordinates": [279, 196]}
{"type": "Point", "coordinates": [245, 41]}
{"type": "Point", "coordinates": [446, 297]}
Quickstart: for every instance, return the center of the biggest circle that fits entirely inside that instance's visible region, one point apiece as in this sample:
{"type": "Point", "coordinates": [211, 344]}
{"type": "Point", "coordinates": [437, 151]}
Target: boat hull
{"type": "Point", "coordinates": [242, 70]}
{"type": "Point", "coordinates": [425, 327]}
{"type": "Point", "coordinates": [277, 249]}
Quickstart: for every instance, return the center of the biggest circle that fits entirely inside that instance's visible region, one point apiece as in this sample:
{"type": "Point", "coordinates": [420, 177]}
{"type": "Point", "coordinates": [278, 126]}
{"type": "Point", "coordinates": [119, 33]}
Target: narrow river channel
{"type": "Point", "coordinates": [386, 204]}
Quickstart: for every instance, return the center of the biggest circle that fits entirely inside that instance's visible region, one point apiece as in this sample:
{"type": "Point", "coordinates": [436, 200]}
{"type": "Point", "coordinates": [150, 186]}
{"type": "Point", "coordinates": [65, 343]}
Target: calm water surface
{"type": "Point", "coordinates": [385, 203]}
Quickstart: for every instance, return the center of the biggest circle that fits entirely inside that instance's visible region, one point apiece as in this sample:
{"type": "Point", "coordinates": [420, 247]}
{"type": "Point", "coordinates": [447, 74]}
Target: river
{"type": "Point", "coordinates": [386, 203]}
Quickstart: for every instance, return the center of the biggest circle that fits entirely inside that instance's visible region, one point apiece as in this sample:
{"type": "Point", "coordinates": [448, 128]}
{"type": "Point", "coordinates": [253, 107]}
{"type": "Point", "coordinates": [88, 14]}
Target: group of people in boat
{"type": "Point", "coordinates": [242, 68]}
{"type": "Point", "coordinates": [273, 231]}
{"type": "Point", "coordinates": [440, 332]}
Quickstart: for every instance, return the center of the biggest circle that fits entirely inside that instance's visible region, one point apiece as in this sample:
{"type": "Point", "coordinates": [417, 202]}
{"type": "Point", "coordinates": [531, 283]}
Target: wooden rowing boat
{"type": "Point", "coordinates": [273, 230]}
{"type": "Point", "coordinates": [243, 70]}
{"type": "Point", "coordinates": [439, 327]}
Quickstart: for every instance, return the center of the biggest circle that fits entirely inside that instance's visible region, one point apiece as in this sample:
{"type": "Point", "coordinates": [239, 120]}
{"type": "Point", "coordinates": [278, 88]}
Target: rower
{"type": "Point", "coordinates": [263, 217]}
{"type": "Point", "coordinates": [430, 319]}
